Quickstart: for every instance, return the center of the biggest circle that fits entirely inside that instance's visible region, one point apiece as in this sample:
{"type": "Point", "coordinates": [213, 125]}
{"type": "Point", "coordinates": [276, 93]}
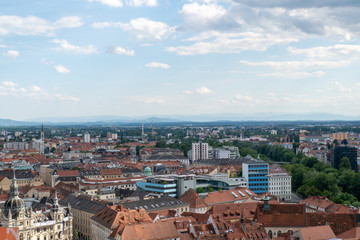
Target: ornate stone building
{"type": "Point", "coordinates": [47, 224]}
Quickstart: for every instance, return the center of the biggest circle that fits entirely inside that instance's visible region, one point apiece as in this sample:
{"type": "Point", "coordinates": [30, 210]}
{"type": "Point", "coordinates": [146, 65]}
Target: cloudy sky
{"type": "Point", "coordinates": [158, 57]}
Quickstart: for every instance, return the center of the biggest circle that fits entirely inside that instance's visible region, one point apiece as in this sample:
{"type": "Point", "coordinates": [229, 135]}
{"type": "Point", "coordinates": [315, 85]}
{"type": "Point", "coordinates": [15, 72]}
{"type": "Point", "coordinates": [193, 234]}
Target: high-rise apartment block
{"type": "Point", "coordinates": [199, 151]}
{"type": "Point", "coordinates": [87, 137]}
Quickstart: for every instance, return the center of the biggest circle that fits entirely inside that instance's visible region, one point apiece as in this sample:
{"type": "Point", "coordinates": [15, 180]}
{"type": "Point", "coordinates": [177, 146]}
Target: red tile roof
{"type": "Point", "coordinates": [193, 199]}
{"type": "Point", "coordinates": [317, 233]}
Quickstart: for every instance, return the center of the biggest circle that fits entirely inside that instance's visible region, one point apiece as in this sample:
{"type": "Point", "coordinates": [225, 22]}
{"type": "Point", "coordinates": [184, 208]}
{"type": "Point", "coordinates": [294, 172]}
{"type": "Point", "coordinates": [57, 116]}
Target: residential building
{"type": "Point", "coordinates": [199, 150]}
{"type": "Point", "coordinates": [87, 137]}
{"type": "Point", "coordinates": [196, 203]}
{"type": "Point", "coordinates": [340, 136]}
{"type": "Point", "coordinates": [116, 222]}
{"type": "Point", "coordinates": [82, 209]}
{"type": "Point", "coordinates": [279, 183]}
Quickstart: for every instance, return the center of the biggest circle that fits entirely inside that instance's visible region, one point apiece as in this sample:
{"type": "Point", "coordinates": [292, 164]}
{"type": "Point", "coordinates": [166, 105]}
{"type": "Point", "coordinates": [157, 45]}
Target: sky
{"type": "Point", "coordinates": [163, 57]}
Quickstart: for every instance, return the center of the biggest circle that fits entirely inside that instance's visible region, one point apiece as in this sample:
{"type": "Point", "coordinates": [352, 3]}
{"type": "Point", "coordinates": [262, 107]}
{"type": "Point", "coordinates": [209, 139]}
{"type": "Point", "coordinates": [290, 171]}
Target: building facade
{"type": "Point", "coordinates": [199, 151]}
{"type": "Point", "coordinates": [339, 152]}
{"type": "Point", "coordinates": [54, 223]}
{"type": "Point", "coordinates": [279, 183]}
{"type": "Point", "coordinates": [256, 174]}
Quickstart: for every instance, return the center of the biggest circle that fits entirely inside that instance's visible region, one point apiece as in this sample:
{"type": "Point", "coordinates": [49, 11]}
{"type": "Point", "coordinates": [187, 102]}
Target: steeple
{"type": "Point", "coordinates": [14, 187]}
{"type": "Point", "coordinates": [56, 202]}
{"type": "Point", "coordinates": [14, 205]}
{"type": "Point", "coordinates": [42, 133]}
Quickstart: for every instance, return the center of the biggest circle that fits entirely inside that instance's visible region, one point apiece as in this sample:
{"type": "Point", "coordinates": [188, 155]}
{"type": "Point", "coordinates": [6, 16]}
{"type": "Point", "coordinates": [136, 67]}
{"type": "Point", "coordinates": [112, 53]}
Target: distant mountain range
{"type": "Point", "coordinates": [225, 117]}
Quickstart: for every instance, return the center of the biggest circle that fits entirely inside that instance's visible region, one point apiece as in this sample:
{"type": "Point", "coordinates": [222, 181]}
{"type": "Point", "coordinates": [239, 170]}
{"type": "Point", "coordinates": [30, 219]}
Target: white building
{"type": "Point", "coordinates": [45, 224]}
{"type": "Point", "coordinates": [221, 153]}
{"type": "Point", "coordinates": [279, 183]}
{"type": "Point", "coordinates": [87, 137]}
{"type": "Point", "coordinates": [199, 151]}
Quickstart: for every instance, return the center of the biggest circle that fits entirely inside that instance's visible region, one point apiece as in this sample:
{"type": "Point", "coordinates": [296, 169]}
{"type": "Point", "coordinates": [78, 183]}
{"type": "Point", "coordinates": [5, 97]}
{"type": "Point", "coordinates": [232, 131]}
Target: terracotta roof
{"type": "Point", "coordinates": [353, 233]}
{"type": "Point", "coordinates": [234, 211]}
{"type": "Point", "coordinates": [111, 216]}
{"type": "Point", "coordinates": [110, 171]}
{"type": "Point", "coordinates": [318, 201]}
{"type": "Point", "coordinates": [68, 173]}
{"type": "Point", "coordinates": [339, 222]}
{"type": "Point", "coordinates": [289, 215]}
{"type": "Point", "coordinates": [228, 196]}
{"type": "Point", "coordinates": [317, 233]}
{"type": "Point", "coordinates": [193, 199]}
{"type": "Point", "coordinates": [158, 230]}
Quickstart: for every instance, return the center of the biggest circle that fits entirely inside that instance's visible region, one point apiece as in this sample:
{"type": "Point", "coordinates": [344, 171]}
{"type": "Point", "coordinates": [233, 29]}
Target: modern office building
{"type": "Point", "coordinates": [339, 152]}
{"type": "Point", "coordinates": [256, 171]}
{"type": "Point", "coordinates": [171, 185]}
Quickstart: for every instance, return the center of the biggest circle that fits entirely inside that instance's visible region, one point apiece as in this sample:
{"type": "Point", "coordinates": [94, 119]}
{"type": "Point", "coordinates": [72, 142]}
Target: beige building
{"type": "Point", "coordinates": [82, 209]}
{"type": "Point", "coordinates": [5, 183]}
{"type": "Point", "coordinates": [54, 223]}
{"type": "Point", "coordinates": [339, 136]}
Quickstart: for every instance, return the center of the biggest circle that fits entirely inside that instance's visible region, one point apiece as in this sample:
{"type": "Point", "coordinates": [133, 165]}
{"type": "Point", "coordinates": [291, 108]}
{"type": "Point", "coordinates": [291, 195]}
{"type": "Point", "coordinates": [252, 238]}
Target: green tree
{"type": "Point", "coordinates": [200, 190]}
{"type": "Point", "coordinates": [345, 163]}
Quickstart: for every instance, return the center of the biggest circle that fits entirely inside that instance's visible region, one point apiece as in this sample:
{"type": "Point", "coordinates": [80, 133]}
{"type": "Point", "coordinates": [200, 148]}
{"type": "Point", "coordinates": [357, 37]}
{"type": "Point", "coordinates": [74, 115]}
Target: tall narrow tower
{"type": "Point", "coordinates": [142, 129]}
{"type": "Point", "coordinates": [42, 140]}
{"type": "Point", "coordinates": [42, 133]}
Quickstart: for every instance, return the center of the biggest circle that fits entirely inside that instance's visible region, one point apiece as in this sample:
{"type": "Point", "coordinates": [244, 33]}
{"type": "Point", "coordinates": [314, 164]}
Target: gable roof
{"type": "Point", "coordinates": [318, 232]}
{"type": "Point", "coordinates": [228, 196]}
{"type": "Point", "coordinates": [193, 199]}
{"type": "Point", "coordinates": [158, 230]}
{"type": "Point", "coordinates": [112, 216]}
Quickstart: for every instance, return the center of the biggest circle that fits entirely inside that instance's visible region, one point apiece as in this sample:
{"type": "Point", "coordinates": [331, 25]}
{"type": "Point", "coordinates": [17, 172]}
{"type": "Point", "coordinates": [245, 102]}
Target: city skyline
{"type": "Point", "coordinates": [161, 57]}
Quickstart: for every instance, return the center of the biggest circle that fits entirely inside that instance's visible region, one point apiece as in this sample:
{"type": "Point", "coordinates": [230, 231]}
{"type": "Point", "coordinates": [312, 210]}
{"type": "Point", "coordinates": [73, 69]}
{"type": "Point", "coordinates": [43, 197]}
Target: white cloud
{"type": "Point", "coordinates": [204, 91]}
{"type": "Point", "coordinates": [111, 3]}
{"type": "Point", "coordinates": [132, 3]}
{"type": "Point", "coordinates": [306, 64]}
{"type": "Point", "coordinates": [67, 47]}
{"type": "Point", "coordinates": [200, 16]}
{"type": "Point", "coordinates": [188, 92]}
{"type": "Point", "coordinates": [61, 69]}
{"type": "Point", "coordinates": [293, 74]}
{"type": "Point", "coordinates": [11, 53]}
{"type": "Point", "coordinates": [9, 84]}
{"type": "Point", "coordinates": [66, 98]}
{"type": "Point", "coordinates": [329, 52]}
{"type": "Point", "coordinates": [46, 61]}
{"type": "Point", "coordinates": [35, 92]}
{"type": "Point", "coordinates": [343, 88]}
{"type": "Point", "coordinates": [141, 28]}
{"type": "Point", "coordinates": [31, 25]}
{"type": "Point", "coordinates": [231, 43]}
{"type": "Point", "coordinates": [157, 65]}
{"type": "Point", "coordinates": [123, 51]}
{"type": "Point", "coordinates": [140, 3]}
{"type": "Point", "coordinates": [244, 98]}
